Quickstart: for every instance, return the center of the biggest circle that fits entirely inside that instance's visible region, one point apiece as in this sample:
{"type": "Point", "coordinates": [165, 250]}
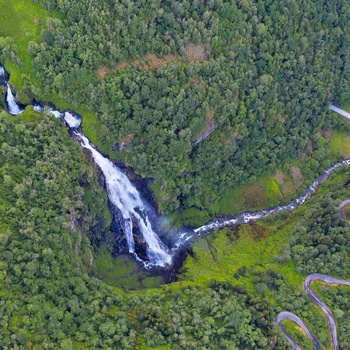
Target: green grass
{"type": "Point", "coordinates": [221, 255]}
{"type": "Point", "coordinates": [264, 193]}
{"type": "Point", "coordinates": [110, 270]}
{"type": "Point", "coordinates": [272, 191]}
{"type": "Point", "coordinates": [23, 20]}
{"type": "Point", "coordinates": [298, 334]}
{"type": "Point", "coordinates": [232, 202]}
{"type": "Point", "coordinates": [339, 144]}
{"type": "Point", "coordinates": [122, 272]}
{"type": "Point", "coordinates": [194, 216]}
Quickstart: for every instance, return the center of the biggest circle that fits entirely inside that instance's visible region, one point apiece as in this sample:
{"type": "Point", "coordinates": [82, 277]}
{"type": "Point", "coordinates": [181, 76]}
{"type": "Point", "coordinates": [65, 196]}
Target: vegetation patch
{"type": "Point", "coordinates": [298, 334]}
{"type": "Point", "coordinates": [255, 249]}
{"type": "Point", "coordinates": [23, 21]}
{"type": "Point", "coordinates": [346, 212]}
{"type": "Point", "coordinates": [194, 217]}
{"type": "Point", "coordinates": [193, 53]}
{"type": "Point", "coordinates": [254, 195]}
{"type": "Point", "coordinates": [197, 53]}
{"type": "Point", "coordinates": [339, 144]}
{"type": "Point", "coordinates": [147, 62]}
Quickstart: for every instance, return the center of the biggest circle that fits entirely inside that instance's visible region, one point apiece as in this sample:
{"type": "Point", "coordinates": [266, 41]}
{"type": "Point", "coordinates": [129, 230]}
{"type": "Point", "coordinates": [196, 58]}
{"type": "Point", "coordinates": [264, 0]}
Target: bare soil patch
{"type": "Point", "coordinates": [102, 71]}
{"type": "Point", "coordinates": [258, 232]}
{"type": "Point", "coordinates": [327, 134]}
{"type": "Point", "coordinates": [151, 61]}
{"type": "Point", "coordinates": [193, 53]}
{"type": "Point", "coordinates": [146, 63]}
{"type": "Point", "coordinates": [297, 175]}
{"type": "Point", "coordinates": [254, 195]}
{"type": "Point", "coordinates": [197, 53]}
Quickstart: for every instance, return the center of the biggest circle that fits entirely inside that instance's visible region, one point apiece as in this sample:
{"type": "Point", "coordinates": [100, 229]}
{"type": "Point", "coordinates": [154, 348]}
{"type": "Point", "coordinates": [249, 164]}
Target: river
{"type": "Point", "coordinates": [134, 210]}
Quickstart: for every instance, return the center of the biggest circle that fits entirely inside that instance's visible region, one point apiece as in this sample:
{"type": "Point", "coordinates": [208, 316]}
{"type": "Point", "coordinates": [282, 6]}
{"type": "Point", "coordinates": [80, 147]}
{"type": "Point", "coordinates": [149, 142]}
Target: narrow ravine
{"type": "Point", "coordinates": [250, 217]}
{"type": "Point", "coordinates": [284, 315]}
{"type": "Point", "coordinates": [133, 215]}
{"type": "Point", "coordinates": [123, 194]}
{"type": "Point", "coordinates": [133, 210]}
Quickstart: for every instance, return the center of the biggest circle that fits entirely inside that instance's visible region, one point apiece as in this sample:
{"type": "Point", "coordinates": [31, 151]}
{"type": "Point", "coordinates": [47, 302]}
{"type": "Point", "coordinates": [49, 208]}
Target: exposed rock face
{"type": "Point", "coordinates": [4, 76]}
{"type": "Point", "coordinates": [172, 271]}
{"type": "Point", "coordinates": [117, 240]}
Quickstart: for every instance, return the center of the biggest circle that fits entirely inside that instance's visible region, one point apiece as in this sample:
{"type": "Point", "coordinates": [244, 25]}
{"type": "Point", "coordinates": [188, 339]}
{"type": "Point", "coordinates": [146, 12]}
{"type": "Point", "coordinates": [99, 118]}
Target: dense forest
{"type": "Point", "coordinates": [252, 78]}
{"type": "Point", "coordinates": [200, 97]}
{"type": "Point", "coordinates": [50, 300]}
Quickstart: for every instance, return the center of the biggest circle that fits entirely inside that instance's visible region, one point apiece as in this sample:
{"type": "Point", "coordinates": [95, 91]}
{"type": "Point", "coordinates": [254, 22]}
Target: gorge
{"type": "Point", "coordinates": [133, 212]}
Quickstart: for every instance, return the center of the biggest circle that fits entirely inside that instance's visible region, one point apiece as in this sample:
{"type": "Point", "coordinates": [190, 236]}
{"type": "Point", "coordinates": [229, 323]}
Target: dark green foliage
{"type": "Point", "coordinates": [254, 98]}
{"type": "Point", "coordinates": [321, 242]}
{"type": "Point", "coordinates": [257, 93]}
{"type": "Point", "coordinates": [9, 50]}
{"type": "Point", "coordinates": [46, 297]}
{"type": "Point", "coordinates": [216, 318]}
{"type": "Point", "coordinates": [338, 299]}
{"type": "Point", "coordinates": [48, 300]}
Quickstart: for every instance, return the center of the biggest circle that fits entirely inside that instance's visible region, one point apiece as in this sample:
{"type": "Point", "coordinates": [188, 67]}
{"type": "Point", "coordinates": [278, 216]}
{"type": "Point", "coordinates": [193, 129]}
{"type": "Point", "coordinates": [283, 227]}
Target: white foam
{"type": "Point", "coordinates": [12, 105]}
{"type": "Point", "coordinates": [126, 198]}
{"type": "Point", "coordinates": [72, 121]}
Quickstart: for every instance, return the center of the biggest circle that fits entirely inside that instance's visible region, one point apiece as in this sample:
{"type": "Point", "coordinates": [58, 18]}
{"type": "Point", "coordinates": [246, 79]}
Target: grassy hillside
{"type": "Point", "coordinates": [24, 21]}
{"type": "Point", "coordinates": [254, 78]}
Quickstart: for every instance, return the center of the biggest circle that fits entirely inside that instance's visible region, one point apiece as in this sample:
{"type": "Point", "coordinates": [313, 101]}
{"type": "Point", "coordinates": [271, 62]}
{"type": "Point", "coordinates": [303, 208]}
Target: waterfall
{"type": "Point", "coordinates": [126, 198]}
{"type": "Point", "coordinates": [2, 72]}
{"type": "Point", "coordinates": [72, 120]}
{"type": "Point", "coordinates": [12, 106]}
{"type": "Point", "coordinates": [38, 108]}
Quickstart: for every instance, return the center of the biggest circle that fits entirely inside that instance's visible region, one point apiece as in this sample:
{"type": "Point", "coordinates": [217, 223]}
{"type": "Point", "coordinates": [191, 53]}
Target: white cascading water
{"type": "Point", "coordinates": [12, 106]}
{"type": "Point", "coordinates": [72, 121]}
{"type": "Point", "coordinates": [38, 108]}
{"type": "Point", "coordinates": [126, 198]}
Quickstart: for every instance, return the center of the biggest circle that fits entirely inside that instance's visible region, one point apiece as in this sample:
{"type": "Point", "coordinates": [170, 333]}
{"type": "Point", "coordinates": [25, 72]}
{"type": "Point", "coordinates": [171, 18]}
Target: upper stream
{"type": "Point", "coordinates": [133, 212]}
{"type": "Point", "coordinates": [123, 194]}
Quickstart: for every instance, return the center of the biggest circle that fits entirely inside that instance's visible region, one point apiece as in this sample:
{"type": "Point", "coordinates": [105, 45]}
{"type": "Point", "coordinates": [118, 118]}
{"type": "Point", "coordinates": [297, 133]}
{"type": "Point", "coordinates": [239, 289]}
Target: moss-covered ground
{"type": "Point", "coordinates": [223, 253]}
{"type": "Point", "coordinates": [339, 144]}
{"type": "Point", "coordinates": [23, 21]}
{"type": "Point", "coordinates": [122, 272]}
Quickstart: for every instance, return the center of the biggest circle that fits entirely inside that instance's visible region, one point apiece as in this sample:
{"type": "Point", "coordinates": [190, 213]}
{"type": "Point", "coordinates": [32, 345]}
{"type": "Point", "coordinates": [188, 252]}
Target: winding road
{"type": "Point", "coordinates": [341, 206]}
{"type": "Point", "coordinates": [285, 315]}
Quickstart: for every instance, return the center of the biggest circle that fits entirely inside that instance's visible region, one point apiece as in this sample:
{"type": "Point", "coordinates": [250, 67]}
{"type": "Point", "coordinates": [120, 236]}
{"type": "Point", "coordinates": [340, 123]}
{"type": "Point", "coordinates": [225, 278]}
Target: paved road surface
{"type": "Point", "coordinates": [285, 315]}
{"type": "Point", "coordinates": [339, 111]}
{"type": "Point", "coordinates": [318, 301]}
